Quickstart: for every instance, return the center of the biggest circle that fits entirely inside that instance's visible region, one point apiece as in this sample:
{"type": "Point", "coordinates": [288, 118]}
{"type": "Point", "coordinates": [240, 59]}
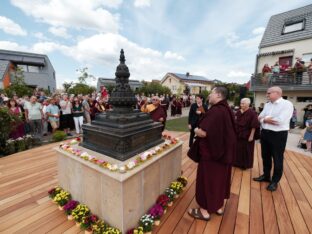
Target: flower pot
{"type": "Point", "coordinates": [88, 232]}
{"type": "Point", "coordinates": [148, 232]}
{"type": "Point", "coordinates": [177, 196]}
{"type": "Point", "coordinates": [70, 217]}
{"type": "Point", "coordinates": [165, 211]}
{"type": "Point", "coordinates": [156, 222]}
{"type": "Point", "coordinates": [77, 224]}
{"type": "Point", "coordinates": [60, 208]}
{"type": "Point", "coordinates": [170, 203]}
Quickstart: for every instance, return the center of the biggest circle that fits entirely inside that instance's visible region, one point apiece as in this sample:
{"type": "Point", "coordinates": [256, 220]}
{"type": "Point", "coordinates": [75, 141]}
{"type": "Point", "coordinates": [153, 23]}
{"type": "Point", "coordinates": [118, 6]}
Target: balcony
{"type": "Point", "coordinates": [287, 81]}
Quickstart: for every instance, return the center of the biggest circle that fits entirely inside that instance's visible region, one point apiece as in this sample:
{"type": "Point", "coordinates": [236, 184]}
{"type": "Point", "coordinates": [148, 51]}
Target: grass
{"type": "Point", "coordinates": [179, 125]}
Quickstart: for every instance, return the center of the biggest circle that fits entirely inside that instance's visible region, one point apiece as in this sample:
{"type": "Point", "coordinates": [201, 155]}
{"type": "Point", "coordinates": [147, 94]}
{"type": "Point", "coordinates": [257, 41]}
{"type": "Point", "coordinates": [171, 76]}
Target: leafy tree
{"type": "Point", "coordinates": [67, 86]}
{"type": "Point", "coordinates": [18, 86]}
{"type": "Point", "coordinates": [153, 88]}
{"type": "Point", "coordinates": [84, 75]}
{"type": "Point", "coordinates": [80, 88]}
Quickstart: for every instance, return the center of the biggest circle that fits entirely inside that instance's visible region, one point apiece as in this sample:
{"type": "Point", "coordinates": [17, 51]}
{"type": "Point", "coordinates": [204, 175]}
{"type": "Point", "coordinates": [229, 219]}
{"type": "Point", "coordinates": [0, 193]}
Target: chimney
{"type": "Point", "coordinates": [187, 74]}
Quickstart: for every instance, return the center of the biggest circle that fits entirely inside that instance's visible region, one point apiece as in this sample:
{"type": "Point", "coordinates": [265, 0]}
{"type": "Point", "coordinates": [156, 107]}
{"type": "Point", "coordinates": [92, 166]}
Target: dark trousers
{"type": "Point", "coordinates": [273, 146]}
{"type": "Point", "coordinates": [192, 135]}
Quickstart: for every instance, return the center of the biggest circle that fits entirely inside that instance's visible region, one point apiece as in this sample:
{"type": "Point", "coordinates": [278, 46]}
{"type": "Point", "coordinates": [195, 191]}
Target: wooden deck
{"type": "Point", "coordinates": [26, 177]}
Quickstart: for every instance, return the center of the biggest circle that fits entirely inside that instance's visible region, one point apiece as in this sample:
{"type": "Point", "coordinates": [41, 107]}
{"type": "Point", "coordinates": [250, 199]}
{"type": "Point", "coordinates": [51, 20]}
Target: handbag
{"type": "Point", "coordinates": [193, 152]}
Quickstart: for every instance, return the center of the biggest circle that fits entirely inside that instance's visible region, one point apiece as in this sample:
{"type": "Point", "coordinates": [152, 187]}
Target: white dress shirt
{"type": "Point", "coordinates": [281, 111]}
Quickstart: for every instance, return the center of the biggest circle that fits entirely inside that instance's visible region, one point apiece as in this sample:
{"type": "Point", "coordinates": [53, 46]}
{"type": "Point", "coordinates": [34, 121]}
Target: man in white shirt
{"type": "Point", "coordinates": [34, 116]}
{"type": "Point", "coordinates": [66, 116]}
{"type": "Point", "coordinates": [274, 121]}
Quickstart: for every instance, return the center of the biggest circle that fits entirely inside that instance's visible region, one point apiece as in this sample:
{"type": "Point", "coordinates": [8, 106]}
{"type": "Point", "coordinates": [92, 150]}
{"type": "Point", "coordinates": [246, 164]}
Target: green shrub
{"type": "Point", "coordinates": [59, 136]}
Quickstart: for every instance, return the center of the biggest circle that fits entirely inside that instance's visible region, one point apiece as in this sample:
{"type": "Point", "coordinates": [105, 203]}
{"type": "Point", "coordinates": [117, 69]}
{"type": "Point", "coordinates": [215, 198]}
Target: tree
{"type": "Point", "coordinates": [84, 75]}
{"type": "Point", "coordinates": [81, 89]}
{"type": "Point", "coordinates": [18, 86]}
{"type": "Point", "coordinates": [67, 86]}
{"type": "Point", "coordinates": [149, 88]}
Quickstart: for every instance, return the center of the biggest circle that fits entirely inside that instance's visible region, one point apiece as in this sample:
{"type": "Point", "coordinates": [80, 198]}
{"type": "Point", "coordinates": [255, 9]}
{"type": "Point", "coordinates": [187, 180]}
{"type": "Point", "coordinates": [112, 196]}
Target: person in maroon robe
{"type": "Point", "coordinates": [156, 111]}
{"type": "Point", "coordinates": [246, 125]}
{"type": "Point", "coordinates": [217, 148]}
{"type": "Point", "coordinates": [173, 106]}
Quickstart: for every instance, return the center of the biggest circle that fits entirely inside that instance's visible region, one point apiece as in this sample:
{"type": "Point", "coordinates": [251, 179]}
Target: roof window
{"type": "Point", "coordinates": [292, 26]}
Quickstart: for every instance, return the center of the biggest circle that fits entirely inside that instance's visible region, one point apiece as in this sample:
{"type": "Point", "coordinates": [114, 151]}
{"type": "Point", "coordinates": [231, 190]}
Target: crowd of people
{"type": "Point", "coordinates": [271, 73]}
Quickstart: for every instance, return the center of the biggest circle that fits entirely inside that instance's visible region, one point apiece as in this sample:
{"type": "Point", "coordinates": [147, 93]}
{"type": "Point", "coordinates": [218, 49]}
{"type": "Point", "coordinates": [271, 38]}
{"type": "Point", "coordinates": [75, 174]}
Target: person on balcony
{"type": "Point", "coordinates": [299, 67]}
{"type": "Point", "coordinates": [276, 71]}
{"type": "Point", "coordinates": [310, 71]}
{"type": "Point", "coordinates": [265, 73]}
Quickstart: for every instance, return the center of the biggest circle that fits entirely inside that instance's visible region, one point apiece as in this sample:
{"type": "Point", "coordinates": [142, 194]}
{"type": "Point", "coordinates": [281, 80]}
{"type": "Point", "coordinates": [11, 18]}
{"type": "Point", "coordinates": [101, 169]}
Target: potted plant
{"type": "Point", "coordinates": [163, 200]}
{"type": "Point", "coordinates": [99, 227]}
{"type": "Point", "coordinates": [9, 147]}
{"type": "Point", "coordinates": [68, 208]}
{"type": "Point", "coordinates": [156, 211]}
{"type": "Point", "coordinates": [147, 221]}
{"type": "Point", "coordinates": [177, 187]}
{"type": "Point", "coordinates": [112, 230]}
{"type": "Point", "coordinates": [183, 180]}
{"type": "Point", "coordinates": [28, 141]}
{"type": "Point", "coordinates": [138, 230]}
{"type": "Point", "coordinates": [171, 195]}
{"type": "Point", "coordinates": [62, 198]}
{"type": "Point", "coordinates": [80, 212]}
{"type": "Point", "coordinates": [87, 222]}
{"type": "Point", "coordinates": [54, 191]}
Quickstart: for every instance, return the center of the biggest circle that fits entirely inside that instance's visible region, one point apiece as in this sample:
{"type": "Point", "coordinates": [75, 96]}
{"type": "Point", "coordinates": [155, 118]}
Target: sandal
{"type": "Point", "coordinates": [197, 214]}
{"type": "Point", "coordinates": [218, 212]}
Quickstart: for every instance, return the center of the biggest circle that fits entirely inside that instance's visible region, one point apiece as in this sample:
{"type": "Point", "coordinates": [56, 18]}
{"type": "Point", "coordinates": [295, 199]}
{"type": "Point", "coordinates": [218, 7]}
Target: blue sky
{"type": "Point", "coordinates": [216, 39]}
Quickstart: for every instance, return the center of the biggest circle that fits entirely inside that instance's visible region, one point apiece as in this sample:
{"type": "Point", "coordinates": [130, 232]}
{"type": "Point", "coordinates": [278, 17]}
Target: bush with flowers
{"type": "Point", "coordinates": [183, 180]}
{"type": "Point", "coordinates": [176, 186]}
{"type": "Point", "coordinates": [80, 212]}
{"type": "Point", "coordinates": [111, 230]}
{"type": "Point", "coordinates": [163, 200]}
{"type": "Point", "coordinates": [69, 206]}
{"type": "Point", "coordinates": [147, 221]}
{"type": "Point", "coordinates": [156, 212]}
{"type": "Point", "coordinates": [87, 221]}
{"type": "Point", "coordinates": [99, 227]}
{"type": "Point", "coordinates": [54, 191]}
{"type": "Point", "coordinates": [62, 198]}
{"type": "Point", "coordinates": [170, 193]}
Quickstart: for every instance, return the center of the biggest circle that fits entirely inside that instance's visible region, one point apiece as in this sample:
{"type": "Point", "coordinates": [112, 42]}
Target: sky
{"type": "Point", "coordinates": [217, 39]}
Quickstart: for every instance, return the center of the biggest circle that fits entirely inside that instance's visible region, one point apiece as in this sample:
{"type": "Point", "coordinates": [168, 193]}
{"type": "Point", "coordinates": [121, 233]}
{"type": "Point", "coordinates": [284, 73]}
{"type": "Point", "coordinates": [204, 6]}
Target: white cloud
{"type": "Point", "coordinates": [236, 74]}
{"type": "Point", "coordinates": [10, 27]}
{"type": "Point", "coordinates": [142, 3]}
{"type": "Point", "coordinates": [9, 45]}
{"type": "Point", "coordinates": [258, 31]}
{"type": "Point", "coordinates": [40, 36]}
{"type": "Point", "coordinates": [48, 47]}
{"type": "Point", "coordinates": [171, 55]}
{"type": "Point", "coordinates": [59, 31]}
{"type": "Point", "coordinates": [79, 14]}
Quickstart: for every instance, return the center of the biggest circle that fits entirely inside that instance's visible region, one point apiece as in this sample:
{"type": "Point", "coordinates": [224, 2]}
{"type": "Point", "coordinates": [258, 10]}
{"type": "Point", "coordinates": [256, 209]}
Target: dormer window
{"type": "Point", "coordinates": [292, 26]}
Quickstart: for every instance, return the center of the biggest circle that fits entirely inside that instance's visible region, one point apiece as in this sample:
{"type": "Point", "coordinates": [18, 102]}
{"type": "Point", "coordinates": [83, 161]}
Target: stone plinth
{"type": "Point", "coordinates": [119, 199]}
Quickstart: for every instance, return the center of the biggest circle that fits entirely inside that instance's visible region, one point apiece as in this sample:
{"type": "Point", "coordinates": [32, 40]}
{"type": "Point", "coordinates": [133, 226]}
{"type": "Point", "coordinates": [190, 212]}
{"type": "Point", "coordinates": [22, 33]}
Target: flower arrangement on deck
{"type": "Point", "coordinates": [80, 212]}
{"type": "Point", "coordinates": [62, 198]}
{"type": "Point", "coordinates": [52, 192]}
{"type": "Point", "coordinates": [88, 221]}
{"type": "Point", "coordinates": [156, 212]}
{"type": "Point", "coordinates": [70, 206]}
{"type": "Point", "coordinates": [177, 187]}
{"type": "Point", "coordinates": [139, 159]}
{"type": "Point", "coordinates": [163, 200]}
{"type": "Point", "coordinates": [146, 222]}
{"type": "Point", "coordinates": [171, 194]}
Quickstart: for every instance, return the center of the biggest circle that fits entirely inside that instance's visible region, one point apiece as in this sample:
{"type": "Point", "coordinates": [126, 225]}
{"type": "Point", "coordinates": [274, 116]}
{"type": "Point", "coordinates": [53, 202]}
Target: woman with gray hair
{"type": "Point", "coordinates": [246, 125]}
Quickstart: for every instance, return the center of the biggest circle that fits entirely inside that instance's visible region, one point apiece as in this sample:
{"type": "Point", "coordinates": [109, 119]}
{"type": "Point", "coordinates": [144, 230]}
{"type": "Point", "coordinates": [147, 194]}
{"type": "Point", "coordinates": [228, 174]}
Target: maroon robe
{"type": "Point", "coordinates": [245, 149]}
{"type": "Point", "coordinates": [217, 152]}
{"type": "Point", "coordinates": [157, 114]}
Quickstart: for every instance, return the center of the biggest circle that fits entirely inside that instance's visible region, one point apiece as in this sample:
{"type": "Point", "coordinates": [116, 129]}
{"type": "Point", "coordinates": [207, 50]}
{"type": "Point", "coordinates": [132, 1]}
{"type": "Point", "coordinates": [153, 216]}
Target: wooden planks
{"type": "Point", "coordinates": [26, 177]}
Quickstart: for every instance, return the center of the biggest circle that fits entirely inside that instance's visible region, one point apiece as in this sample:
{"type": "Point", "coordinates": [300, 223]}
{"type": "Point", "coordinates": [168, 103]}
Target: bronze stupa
{"type": "Point", "coordinates": [124, 131]}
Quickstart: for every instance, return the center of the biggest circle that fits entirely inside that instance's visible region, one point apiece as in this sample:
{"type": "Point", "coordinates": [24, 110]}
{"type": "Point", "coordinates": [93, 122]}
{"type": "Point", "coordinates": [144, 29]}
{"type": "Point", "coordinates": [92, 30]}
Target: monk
{"type": "Point", "coordinates": [246, 125]}
{"type": "Point", "coordinates": [217, 147]}
{"type": "Point", "coordinates": [155, 110]}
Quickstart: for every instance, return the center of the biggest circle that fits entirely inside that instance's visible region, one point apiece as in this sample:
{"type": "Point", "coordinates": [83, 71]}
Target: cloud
{"type": "Point", "coordinates": [10, 27]}
{"type": "Point", "coordinates": [171, 55]}
{"type": "Point", "coordinates": [9, 45]}
{"type": "Point", "coordinates": [234, 41]}
{"type": "Point", "coordinates": [142, 3]}
{"type": "Point", "coordinates": [40, 36]}
{"type": "Point", "coordinates": [78, 14]}
{"type": "Point", "coordinates": [235, 74]}
{"type": "Point", "coordinates": [59, 32]}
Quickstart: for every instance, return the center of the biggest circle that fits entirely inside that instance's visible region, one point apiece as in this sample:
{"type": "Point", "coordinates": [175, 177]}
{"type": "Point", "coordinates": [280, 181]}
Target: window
{"type": "Point", "coordinates": [304, 99]}
{"type": "Point", "coordinates": [290, 27]}
{"type": "Point", "coordinates": [307, 57]}
{"type": "Point", "coordinates": [23, 67]}
{"type": "Point", "coordinates": [174, 87]}
{"type": "Point", "coordinates": [33, 69]}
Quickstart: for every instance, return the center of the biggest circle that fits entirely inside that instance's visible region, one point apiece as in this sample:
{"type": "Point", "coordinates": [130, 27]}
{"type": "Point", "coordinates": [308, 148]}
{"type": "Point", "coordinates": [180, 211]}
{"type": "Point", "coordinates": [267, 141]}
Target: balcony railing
{"type": "Point", "coordinates": [286, 80]}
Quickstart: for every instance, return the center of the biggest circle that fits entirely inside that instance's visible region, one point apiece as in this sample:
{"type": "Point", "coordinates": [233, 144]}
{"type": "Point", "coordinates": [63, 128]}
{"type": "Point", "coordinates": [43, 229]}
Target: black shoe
{"type": "Point", "coordinates": [262, 178]}
{"type": "Point", "coordinates": [272, 187]}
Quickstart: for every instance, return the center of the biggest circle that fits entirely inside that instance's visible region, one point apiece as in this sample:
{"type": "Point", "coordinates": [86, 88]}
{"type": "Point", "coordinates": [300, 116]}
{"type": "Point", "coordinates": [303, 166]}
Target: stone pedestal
{"type": "Point", "coordinates": [119, 199]}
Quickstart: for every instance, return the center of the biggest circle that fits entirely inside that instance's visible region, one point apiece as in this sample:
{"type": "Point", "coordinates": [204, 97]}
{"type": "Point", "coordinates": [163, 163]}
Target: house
{"type": "Point", "coordinates": [134, 84]}
{"type": "Point", "coordinates": [287, 37]}
{"type": "Point", "coordinates": [177, 83]}
{"type": "Point", "coordinates": [37, 69]}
